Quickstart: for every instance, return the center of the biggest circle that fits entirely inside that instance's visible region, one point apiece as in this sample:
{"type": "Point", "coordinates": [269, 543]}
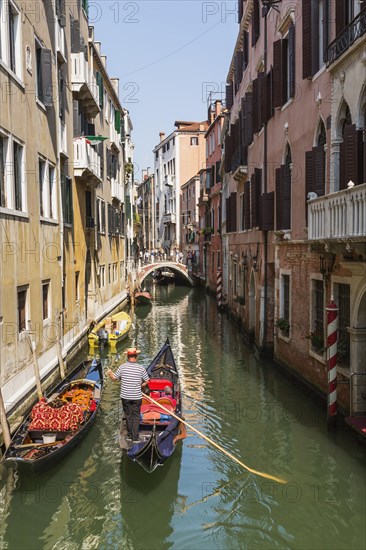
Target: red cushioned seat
{"type": "Point", "coordinates": [159, 383]}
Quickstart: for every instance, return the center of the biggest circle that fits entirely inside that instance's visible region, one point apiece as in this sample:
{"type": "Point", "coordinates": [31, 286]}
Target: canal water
{"type": "Point", "coordinates": [200, 499]}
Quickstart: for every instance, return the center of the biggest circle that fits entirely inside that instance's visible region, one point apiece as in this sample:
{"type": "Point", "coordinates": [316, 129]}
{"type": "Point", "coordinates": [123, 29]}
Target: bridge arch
{"type": "Point", "coordinates": [180, 271]}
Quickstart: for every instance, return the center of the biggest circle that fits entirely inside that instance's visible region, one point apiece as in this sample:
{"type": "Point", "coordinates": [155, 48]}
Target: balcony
{"type": "Point", "coordinates": [346, 38]}
{"type": "Point", "coordinates": [116, 190]}
{"type": "Point", "coordinates": [61, 45]}
{"type": "Point", "coordinates": [114, 136]}
{"type": "Point", "coordinates": [169, 180]}
{"type": "Point", "coordinates": [63, 139]}
{"type": "Point", "coordinates": [169, 218]}
{"type": "Point", "coordinates": [339, 218]}
{"type": "Point", "coordinates": [86, 163]}
{"type": "Point", "coordinates": [84, 83]}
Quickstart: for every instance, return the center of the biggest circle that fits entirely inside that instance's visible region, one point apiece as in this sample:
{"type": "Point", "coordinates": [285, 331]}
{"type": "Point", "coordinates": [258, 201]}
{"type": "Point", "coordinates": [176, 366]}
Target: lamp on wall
{"type": "Point", "coordinates": [326, 264]}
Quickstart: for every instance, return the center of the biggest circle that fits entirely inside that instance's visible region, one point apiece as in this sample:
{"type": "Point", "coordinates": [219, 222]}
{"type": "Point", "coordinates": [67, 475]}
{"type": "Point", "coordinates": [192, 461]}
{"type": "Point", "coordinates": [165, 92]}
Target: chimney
{"type": "Point", "coordinates": [98, 46]}
{"type": "Point", "coordinates": [104, 61]}
{"type": "Point", "coordinates": [218, 107]}
{"type": "Point", "coordinates": [162, 136]}
{"type": "Point", "coordinates": [115, 84]}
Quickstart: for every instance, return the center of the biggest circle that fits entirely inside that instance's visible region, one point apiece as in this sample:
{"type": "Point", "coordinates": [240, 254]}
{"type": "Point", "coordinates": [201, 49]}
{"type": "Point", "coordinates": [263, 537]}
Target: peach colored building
{"type": "Point", "coordinates": [286, 143]}
{"type": "Point", "coordinates": [178, 157]}
{"type": "Point", "coordinates": [190, 220]}
{"type": "Point", "coordinates": [210, 254]}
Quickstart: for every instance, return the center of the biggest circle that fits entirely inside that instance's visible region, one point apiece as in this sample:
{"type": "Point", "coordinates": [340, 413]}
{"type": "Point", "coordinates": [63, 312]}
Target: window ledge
{"type": "Point", "coordinates": [49, 221]}
{"type": "Point", "coordinates": [14, 213]}
{"type": "Point", "coordinates": [320, 72]}
{"type": "Point", "coordinates": [344, 371]}
{"type": "Point", "coordinates": [283, 337]}
{"type": "Point", "coordinates": [288, 102]}
{"type": "Point", "coordinates": [41, 105]}
{"type": "Point", "coordinates": [317, 356]}
{"type": "Point", "coordinates": [12, 75]}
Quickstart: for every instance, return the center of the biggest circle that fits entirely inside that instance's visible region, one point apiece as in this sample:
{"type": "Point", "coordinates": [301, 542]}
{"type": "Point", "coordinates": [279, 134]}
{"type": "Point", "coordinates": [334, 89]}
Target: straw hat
{"type": "Point", "coordinates": [132, 351]}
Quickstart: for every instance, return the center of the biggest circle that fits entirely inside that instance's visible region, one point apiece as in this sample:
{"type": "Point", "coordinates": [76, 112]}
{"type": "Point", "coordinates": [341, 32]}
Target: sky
{"type": "Point", "coordinates": [168, 55]}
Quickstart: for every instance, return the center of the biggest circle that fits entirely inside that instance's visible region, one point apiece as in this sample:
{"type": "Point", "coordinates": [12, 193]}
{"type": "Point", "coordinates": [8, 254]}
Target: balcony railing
{"type": "Point", "coordinates": [86, 162]}
{"type": "Point", "coordinates": [63, 138]}
{"type": "Point", "coordinates": [116, 190]}
{"type": "Point", "coordinates": [341, 215]}
{"type": "Point", "coordinates": [84, 82]}
{"type": "Point", "coordinates": [169, 218]}
{"type": "Point", "coordinates": [347, 37]}
{"type": "Point", "coordinates": [169, 180]}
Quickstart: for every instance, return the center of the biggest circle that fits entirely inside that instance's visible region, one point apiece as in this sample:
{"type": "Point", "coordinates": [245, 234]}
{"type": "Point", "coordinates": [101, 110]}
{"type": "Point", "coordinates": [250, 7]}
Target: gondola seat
{"type": "Point", "coordinates": [158, 384]}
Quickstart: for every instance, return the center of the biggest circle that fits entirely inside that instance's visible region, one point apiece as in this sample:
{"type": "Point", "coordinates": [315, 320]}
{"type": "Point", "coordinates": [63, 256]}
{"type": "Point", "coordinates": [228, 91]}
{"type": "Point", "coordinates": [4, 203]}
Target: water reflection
{"type": "Point", "coordinates": [199, 499]}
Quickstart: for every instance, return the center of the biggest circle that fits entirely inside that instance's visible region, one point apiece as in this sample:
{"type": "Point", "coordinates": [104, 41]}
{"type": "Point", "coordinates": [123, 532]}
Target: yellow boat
{"type": "Point", "coordinates": [112, 330]}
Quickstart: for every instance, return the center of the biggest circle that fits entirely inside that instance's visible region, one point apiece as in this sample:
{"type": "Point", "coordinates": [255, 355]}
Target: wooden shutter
{"type": "Point", "coordinates": [245, 49]}
{"type": "Point", "coordinates": [240, 10]}
{"type": "Point", "coordinates": [291, 54]}
{"type": "Point", "coordinates": [279, 201]}
{"type": "Point", "coordinates": [218, 175]}
{"type": "Point", "coordinates": [257, 196]}
{"type": "Point", "coordinates": [255, 106]}
{"type": "Point", "coordinates": [117, 121]}
{"type": "Point", "coordinates": [229, 95]}
{"type": "Point", "coordinates": [238, 68]}
{"type": "Point", "coordinates": [269, 94]}
{"type": "Point", "coordinates": [267, 211]}
{"type": "Point", "coordinates": [75, 35]}
{"type": "Point", "coordinates": [233, 212]}
{"type": "Point", "coordinates": [109, 163]}
{"type": "Point", "coordinates": [61, 12]}
{"type": "Point", "coordinates": [76, 118]}
{"type": "Point", "coordinates": [309, 178]}
{"type": "Point", "coordinates": [102, 208]}
{"type": "Point", "coordinates": [353, 154]}
{"type": "Point", "coordinates": [247, 205]}
{"type": "Point", "coordinates": [342, 166]}
{"type": "Point", "coordinates": [263, 99]}
{"type": "Point", "coordinates": [307, 71]}
{"type": "Point", "coordinates": [277, 73]}
{"type": "Point", "coordinates": [255, 22]}
{"type": "Point", "coordinates": [46, 70]}
{"type": "Point", "coordinates": [319, 170]}
{"type": "Point", "coordinates": [227, 204]}
{"type": "Point", "coordinates": [286, 196]}
{"type": "Point", "coordinates": [341, 6]}
{"type": "Point", "coordinates": [249, 118]}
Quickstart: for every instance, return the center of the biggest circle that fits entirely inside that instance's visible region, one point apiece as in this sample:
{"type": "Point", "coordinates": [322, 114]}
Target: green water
{"type": "Point", "coordinates": [200, 499]}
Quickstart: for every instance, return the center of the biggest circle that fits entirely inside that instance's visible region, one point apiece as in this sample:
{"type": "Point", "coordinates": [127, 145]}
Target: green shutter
{"type": "Point", "coordinates": [101, 91]}
{"type": "Point", "coordinates": [117, 121]}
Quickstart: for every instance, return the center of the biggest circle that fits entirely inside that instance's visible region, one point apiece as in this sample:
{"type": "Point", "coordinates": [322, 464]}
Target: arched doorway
{"type": "Point", "coordinates": [357, 363]}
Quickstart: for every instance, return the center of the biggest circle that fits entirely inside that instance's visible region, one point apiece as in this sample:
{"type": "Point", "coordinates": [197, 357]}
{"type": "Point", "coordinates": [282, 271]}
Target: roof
{"type": "Point", "coordinates": [183, 126]}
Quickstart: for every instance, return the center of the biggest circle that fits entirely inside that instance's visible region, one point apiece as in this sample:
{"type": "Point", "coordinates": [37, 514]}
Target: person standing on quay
{"type": "Point", "coordinates": [133, 377]}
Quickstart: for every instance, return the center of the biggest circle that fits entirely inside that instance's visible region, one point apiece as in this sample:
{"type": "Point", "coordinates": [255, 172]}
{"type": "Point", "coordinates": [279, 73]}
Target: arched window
{"type": "Point", "coordinates": [322, 136]}
{"type": "Point", "coordinates": [315, 162]}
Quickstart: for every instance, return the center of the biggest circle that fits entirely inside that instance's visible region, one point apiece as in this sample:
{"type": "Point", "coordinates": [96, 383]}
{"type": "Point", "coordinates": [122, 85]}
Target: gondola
{"type": "Point", "coordinates": [159, 431]}
{"type": "Point", "coordinates": [143, 298]}
{"type": "Point", "coordinates": [163, 277]}
{"type": "Point", "coordinates": [56, 424]}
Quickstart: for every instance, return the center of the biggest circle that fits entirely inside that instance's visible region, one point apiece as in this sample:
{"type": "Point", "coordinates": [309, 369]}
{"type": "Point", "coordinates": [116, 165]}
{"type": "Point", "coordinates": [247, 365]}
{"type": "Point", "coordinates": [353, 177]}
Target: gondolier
{"type": "Point", "coordinates": [133, 377]}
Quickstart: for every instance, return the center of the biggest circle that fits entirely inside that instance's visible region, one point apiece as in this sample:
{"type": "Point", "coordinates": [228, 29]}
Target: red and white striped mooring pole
{"type": "Point", "coordinates": [219, 288]}
{"type": "Point", "coordinates": [332, 341]}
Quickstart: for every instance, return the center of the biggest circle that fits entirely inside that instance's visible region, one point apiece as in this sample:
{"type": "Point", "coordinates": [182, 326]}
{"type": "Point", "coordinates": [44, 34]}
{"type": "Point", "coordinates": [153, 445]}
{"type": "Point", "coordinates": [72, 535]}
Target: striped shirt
{"type": "Point", "coordinates": [131, 376]}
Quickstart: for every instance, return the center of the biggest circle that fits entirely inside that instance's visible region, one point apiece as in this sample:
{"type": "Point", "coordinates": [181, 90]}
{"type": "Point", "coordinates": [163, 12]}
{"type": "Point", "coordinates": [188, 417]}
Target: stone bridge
{"type": "Point", "coordinates": [182, 274]}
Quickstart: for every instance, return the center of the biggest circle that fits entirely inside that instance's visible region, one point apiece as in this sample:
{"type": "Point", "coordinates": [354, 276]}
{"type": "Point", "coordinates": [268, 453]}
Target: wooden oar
{"type": "Point", "coordinates": [36, 445]}
{"type": "Point", "coordinates": [256, 472]}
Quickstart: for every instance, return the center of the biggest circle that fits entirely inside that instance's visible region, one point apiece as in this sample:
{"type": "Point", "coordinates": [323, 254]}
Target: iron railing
{"type": "Point", "coordinates": [346, 38]}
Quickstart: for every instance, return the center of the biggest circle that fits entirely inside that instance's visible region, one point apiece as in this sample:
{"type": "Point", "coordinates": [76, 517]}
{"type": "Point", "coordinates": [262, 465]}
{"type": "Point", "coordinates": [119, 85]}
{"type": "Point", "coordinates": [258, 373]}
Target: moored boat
{"type": "Point", "coordinates": [161, 277]}
{"type": "Point", "coordinates": [159, 429]}
{"type": "Point", "coordinates": [111, 330]}
{"type": "Point", "coordinates": [143, 298]}
{"type": "Point", "coordinates": [57, 424]}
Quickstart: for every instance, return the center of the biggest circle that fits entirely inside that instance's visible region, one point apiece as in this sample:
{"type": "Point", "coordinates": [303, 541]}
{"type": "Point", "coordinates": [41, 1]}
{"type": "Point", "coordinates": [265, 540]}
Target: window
{"type": "Point", "coordinates": [283, 193]}
{"type": "Point", "coordinates": [41, 176]}
{"type": "Point", "coordinates": [66, 191]}
{"type": "Point", "coordinates": [85, 6]}
{"type": "Point", "coordinates": [242, 212]}
{"type": "Point", "coordinates": [121, 270]}
{"type": "Point", "coordinates": [315, 29]}
{"type": "Point", "coordinates": [317, 319]}
{"type": "Point", "coordinates": [315, 166]}
{"type": "Point", "coordinates": [45, 300]}
{"type": "Point", "coordinates": [102, 276]}
{"type": "Point", "coordinates": [194, 140]}
{"type": "Point", "coordinates": [115, 272]}
{"type": "Point", "coordinates": [342, 299]}
{"type": "Point", "coordinates": [109, 274]}
{"type": "Point", "coordinates": [3, 151]}
{"type": "Point", "coordinates": [156, 155]}
{"type": "Point", "coordinates": [18, 176]}
{"type": "Point", "coordinates": [22, 308]}
{"type": "Point", "coordinates": [284, 68]}
{"type": "Point", "coordinates": [77, 277]}
{"type": "Point", "coordinates": [43, 74]}
{"type": "Point", "coordinates": [52, 205]}
{"type": "Point", "coordinates": [285, 304]}
{"type": "Point", "coordinates": [10, 36]}
{"type": "Point", "coordinates": [100, 215]}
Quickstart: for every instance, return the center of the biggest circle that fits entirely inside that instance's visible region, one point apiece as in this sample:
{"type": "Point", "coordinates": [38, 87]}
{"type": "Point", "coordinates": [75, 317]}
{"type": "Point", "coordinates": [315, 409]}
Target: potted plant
{"type": "Point", "coordinates": [317, 341]}
{"type": "Point", "coordinates": [283, 325]}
